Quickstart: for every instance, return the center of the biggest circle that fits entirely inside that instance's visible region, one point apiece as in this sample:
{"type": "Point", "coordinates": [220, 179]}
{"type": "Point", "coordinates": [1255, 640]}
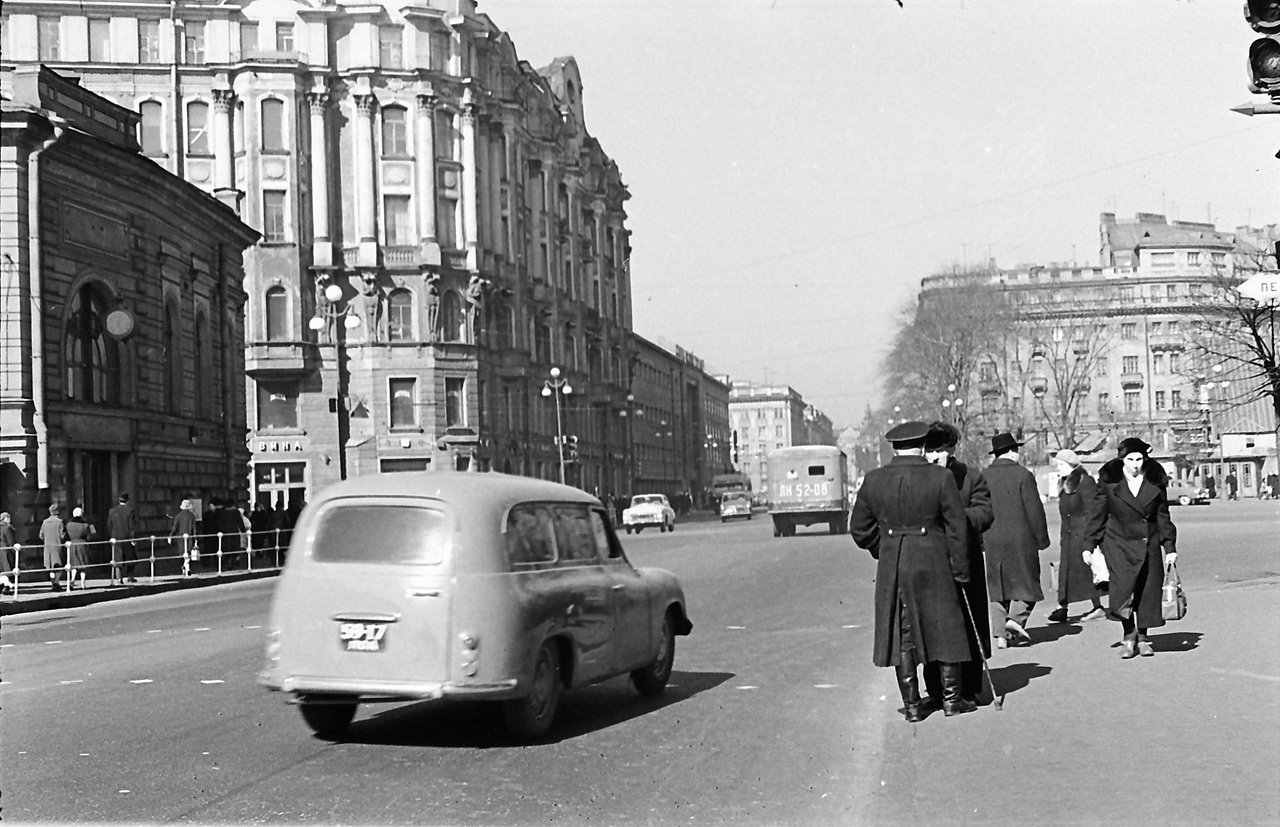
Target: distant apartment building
{"type": "Point", "coordinates": [1094, 354]}
{"type": "Point", "coordinates": [438, 228]}
{"type": "Point", "coordinates": [767, 417]}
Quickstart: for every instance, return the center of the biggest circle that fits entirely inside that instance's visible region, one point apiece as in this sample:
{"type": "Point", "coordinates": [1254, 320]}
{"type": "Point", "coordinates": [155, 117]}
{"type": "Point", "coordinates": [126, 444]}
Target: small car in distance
{"type": "Point", "coordinates": [1186, 492]}
{"type": "Point", "coordinates": [735, 504]}
{"type": "Point", "coordinates": [463, 586]}
{"type": "Point", "coordinates": [648, 510]}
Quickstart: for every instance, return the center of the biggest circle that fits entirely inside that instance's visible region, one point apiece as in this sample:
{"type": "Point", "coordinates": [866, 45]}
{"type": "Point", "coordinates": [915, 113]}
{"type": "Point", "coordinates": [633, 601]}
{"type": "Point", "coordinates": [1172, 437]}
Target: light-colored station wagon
{"type": "Point", "coordinates": [463, 586]}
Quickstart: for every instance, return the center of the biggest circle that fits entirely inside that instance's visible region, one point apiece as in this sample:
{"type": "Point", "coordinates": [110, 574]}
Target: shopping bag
{"type": "Point", "coordinates": [1173, 600]}
{"type": "Point", "coordinates": [195, 552]}
{"type": "Point", "coordinates": [1098, 565]}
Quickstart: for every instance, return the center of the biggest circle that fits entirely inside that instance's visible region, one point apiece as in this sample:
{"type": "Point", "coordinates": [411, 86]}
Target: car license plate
{"type": "Point", "coordinates": [363, 637]}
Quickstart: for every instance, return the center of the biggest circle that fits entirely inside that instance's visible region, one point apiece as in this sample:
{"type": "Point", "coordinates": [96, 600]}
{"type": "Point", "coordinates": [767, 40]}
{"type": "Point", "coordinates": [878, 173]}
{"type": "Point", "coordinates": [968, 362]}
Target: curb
{"type": "Point", "coordinates": [88, 597]}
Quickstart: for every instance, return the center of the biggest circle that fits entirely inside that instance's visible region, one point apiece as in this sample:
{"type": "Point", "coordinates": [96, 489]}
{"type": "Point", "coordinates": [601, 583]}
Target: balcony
{"type": "Point", "coordinates": [1131, 380]}
{"type": "Point", "coordinates": [268, 56]}
{"type": "Point", "coordinates": [403, 257]}
{"type": "Point", "coordinates": [280, 359]}
{"type": "Point", "coordinates": [1165, 341]}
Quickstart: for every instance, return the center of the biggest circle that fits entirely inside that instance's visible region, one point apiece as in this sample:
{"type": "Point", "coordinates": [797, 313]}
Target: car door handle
{"type": "Point", "coordinates": [422, 593]}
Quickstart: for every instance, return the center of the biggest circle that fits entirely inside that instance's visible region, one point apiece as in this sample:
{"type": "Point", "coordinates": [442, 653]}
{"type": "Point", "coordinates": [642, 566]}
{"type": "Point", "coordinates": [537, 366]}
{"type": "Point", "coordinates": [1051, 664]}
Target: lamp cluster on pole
{"type": "Point", "coordinates": [327, 315]}
{"type": "Point", "coordinates": [554, 387]}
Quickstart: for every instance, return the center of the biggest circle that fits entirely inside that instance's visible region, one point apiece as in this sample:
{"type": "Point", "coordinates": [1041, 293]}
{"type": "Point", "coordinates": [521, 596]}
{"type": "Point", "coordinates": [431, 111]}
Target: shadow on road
{"type": "Point", "coordinates": [476, 725]}
{"type": "Point", "coordinates": [1176, 641]}
{"type": "Point", "coordinates": [1052, 632]}
{"type": "Point", "coordinates": [1009, 679]}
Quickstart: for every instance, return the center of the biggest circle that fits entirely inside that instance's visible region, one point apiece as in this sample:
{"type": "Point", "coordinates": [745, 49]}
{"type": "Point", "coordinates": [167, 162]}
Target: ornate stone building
{"type": "Point", "coordinates": [438, 227]}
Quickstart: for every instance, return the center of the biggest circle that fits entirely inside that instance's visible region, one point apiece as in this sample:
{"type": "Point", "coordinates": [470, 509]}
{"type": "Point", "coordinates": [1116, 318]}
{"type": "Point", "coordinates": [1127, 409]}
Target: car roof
{"type": "Point", "coordinates": [457, 487]}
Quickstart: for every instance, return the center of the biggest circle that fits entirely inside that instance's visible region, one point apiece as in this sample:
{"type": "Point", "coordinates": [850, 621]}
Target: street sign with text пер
{"type": "Point", "coordinates": [1263, 287]}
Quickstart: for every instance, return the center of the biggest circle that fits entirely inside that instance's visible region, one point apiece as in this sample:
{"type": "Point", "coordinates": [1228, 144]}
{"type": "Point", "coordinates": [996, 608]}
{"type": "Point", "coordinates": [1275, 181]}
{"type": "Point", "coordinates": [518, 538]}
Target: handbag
{"type": "Point", "coordinates": [1173, 600]}
{"type": "Point", "coordinates": [1098, 565]}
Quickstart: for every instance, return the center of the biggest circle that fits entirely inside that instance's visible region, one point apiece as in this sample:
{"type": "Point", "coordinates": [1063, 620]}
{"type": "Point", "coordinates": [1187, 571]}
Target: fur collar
{"type": "Point", "coordinates": [1071, 482]}
{"type": "Point", "coordinates": [1113, 472]}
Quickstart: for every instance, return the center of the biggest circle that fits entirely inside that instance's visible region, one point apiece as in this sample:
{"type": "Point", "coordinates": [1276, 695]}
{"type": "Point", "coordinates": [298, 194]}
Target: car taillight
{"type": "Point", "coordinates": [470, 654]}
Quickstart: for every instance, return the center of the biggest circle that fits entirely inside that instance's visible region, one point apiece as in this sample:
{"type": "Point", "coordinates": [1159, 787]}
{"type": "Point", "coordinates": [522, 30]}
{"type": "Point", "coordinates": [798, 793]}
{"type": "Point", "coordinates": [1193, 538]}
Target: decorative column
{"type": "Point", "coordinates": [429, 248]}
{"type": "Point", "coordinates": [321, 247]}
{"type": "Point", "coordinates": [366, 206]}
{"type": "Point", "coordinates": [598, 259]}
{"type": "Point", "coordinates": [469, 179]}
{"type": "Point", "coordinates": [224, 181]}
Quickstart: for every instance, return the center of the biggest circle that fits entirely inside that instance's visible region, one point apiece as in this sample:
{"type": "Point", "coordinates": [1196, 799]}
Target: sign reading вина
{"type": "Point", "coordinates": [1263, 287]}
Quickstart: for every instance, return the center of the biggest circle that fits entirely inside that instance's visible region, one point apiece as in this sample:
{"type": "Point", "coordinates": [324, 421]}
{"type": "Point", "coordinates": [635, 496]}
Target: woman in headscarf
{"type": "Point", "coordinates": [184, 529]}
{"type": "Point", "coordinates": [1076, 490]}
{"type": "Point", "coordinates": [1129, 521]}
{"type": "Point", "coordinates": [79, 532]}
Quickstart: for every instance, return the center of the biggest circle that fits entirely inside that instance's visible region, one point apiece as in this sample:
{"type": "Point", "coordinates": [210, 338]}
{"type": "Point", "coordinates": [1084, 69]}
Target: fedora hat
{"type": "Point", "coordinates": [1003, 442]}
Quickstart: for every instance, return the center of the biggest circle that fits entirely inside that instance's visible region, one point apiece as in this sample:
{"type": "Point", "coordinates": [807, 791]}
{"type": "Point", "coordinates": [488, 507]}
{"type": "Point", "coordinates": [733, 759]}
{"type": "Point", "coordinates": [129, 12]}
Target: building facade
{"type": "Point", "coordinates": [438, 227]}
{"type": "Point", "coordinates": [767, 417]}
{"type": "Point", "coordinates": [121, 307]}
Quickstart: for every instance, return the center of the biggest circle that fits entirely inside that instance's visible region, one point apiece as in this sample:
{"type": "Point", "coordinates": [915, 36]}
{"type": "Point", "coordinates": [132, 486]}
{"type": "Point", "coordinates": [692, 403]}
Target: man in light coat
{"type": "Point", "coordinates": [1014, 541]}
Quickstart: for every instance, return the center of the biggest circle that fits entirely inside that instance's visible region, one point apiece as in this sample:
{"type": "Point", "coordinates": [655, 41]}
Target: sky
{"type": "Point", "coordinates": [796, 167]}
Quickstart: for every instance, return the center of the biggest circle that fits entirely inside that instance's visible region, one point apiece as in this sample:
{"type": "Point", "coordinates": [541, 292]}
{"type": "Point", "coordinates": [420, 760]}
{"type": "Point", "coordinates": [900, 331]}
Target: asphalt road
{"type": "Point", "coordinates": [145, 711]}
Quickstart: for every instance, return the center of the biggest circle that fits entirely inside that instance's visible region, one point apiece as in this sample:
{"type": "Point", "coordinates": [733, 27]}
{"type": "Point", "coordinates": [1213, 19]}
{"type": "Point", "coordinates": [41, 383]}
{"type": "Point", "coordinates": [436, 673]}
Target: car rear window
{"type": "Point", "coordinates": [381, 534]}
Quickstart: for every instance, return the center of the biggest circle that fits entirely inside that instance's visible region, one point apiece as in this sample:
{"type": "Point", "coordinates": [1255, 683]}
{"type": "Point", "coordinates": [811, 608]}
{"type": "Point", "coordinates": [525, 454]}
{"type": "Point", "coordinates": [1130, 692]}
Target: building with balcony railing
{"type": "Point", "coordinates": [475, 231]}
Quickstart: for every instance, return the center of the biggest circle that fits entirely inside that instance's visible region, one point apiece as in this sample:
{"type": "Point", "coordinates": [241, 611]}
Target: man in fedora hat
{"type": "Point", "coordinates": [1014, 541]}
{"type": "Point", "coordinates": [909, 516]}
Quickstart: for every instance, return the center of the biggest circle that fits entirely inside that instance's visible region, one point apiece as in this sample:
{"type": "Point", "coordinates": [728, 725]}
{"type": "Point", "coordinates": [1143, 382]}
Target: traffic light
{"type": "Point", "coordinates": [735, 447]}
{"type": "Point", "coordinates": [571, 452]}
{"type": "Point", "coordinates": [1264, 53]}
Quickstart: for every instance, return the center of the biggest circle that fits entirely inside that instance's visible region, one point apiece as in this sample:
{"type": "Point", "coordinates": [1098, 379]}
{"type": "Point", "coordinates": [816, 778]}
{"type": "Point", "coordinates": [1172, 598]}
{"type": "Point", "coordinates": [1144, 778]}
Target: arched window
{"type": "Point", "coordinates": [400, 315]}
{"type": "Point", "coordinates": [395, 137]}
{"type": "Point", "coordinates": [172, 359]}
{"type": "Point", "coordinates": [151, 128]}
{"type": "Point", "coordinates": [198, 128]}
{"type": "Point", "coordinates": [542, 342]}
{"type": "Point", "coordinates": [91, 358]}
{"type": "Point", "coordinates": [277, 315]}
{"type": "Point", "coordinates": [595, 363]}
{"type": "Point", "coordinates": [272, 125]}
{"type": "Point", "coordinates": [204, 367]}
{"type": "Point", "coordinates": [451, 319]}
{"type": "Point", "coordinates": [570, 348]}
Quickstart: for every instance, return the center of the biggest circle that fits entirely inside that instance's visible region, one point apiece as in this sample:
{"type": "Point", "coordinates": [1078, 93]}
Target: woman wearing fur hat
{"type": "Point", "coordinates": [1129, 521]}
{"type": "Point", "coordinates": [1076, 490]}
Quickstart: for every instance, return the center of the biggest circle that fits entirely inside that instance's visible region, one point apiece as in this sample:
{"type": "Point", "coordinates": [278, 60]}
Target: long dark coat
{"type": "Point", "coordinates": [922, 568]}
{"type": "Point", "coordinates": [53, 532]}
{"type": "Point", "coordinates": [122, 526]}
{"type": "Point", "coordinates": [975, 496]}
{"type": "Point", "coordinates": [79, 533]}
{"type": "Point", "coordinates": [1018, 534]}
{"type": "Point", "coordinates": [1131, 532]}
{"type": "Point", "coordinates": [1075, 497]}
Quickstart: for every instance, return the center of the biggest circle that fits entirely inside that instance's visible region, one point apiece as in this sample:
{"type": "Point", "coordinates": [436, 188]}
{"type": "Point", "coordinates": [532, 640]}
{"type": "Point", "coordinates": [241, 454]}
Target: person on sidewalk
{"type": "Point", "coordinates": [184, 529]}
{"type": "Point", "coordinates": [909, 516]}
{"type": "Point", "coordinates": [975, 497]}
{"type": "Point", "coordinates": [1014, 542]}
{"type": "Point", "coordinates": [8, 539]}
{"type": "Point", "coordinates": [1231, 486]}
{"type": "Point", "coordinates": [122, 527]}
{"type": "Point", "coordinates": [53, 533]}
{"type": "Point", "coordinates": [1129, 521]}
{"type": "Point", "coordinates": [79, 533]}
{"type": "Point", "coordinates": [1076, 490]}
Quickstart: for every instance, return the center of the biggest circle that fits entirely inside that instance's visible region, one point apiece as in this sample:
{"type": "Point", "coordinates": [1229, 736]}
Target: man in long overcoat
{"type": "Point", "coordinates": [1014, 542]}
{"type": "Point", "coordinates": [53, 533]}
{"type": "Point", "coordinates": [909, 516]}
{"type": "Point", "coordinates": [975, 496]}
{"type": "Point", "coordinates": [122, 527]}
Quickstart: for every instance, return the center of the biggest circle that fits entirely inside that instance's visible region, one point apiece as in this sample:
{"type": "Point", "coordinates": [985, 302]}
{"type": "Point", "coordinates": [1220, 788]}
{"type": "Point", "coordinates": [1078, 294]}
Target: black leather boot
{"type": "Point", "coordinates": [909, 686]}
{"type": "Point", "coordinates": [932, 685]}
{"type": "Point", "coordinates": [953, 700]}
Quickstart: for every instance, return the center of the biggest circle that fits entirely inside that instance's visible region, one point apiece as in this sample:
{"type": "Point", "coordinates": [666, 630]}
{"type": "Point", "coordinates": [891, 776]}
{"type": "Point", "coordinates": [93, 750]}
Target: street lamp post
{"type": "Point", "coordinates": [554, 387]}
{"type": "Point", "coordinates": [325, 322]}
{"type": "Point", "coordinates": [629, 414]}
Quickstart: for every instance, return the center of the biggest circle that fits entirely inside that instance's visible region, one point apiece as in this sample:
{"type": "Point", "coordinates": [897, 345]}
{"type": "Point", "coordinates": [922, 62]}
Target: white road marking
{"type": "Point", "coordinates": [825, 685]}
{"type": "Point", "coordinates": [211, 682]}
{"type": "Point", "coordinates": [154, 631]}
{"type": "Point", "coordinates": [51, 642]}
{"type": "Point", "coordinates": [747, 686]}
{"type": "Point", "coordinates": [7, 645]}
{"type": "Point", "coordinates": [1243, 674]}
{"type": "Point", "coordinates": [735, 627]}
{"type": "Point", "coordinates": [201, 629]}
{"type": "Point", "coordinates": [143, 680]}
{"type": "Point", "coordinates": [84, 755]}
{"type": "Point", "coordinates": [125, 791]}
{"type": "Point", "coordinates": [851, 626]}
{"type": "Point", "coordinates": [253, 627]}
{"type": "Point", "coordinates": [64, 683]}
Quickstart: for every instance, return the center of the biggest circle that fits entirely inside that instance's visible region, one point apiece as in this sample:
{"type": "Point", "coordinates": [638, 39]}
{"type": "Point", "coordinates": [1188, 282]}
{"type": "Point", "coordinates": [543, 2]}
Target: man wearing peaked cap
{"type": "Point", "coordinates": [909, 516]}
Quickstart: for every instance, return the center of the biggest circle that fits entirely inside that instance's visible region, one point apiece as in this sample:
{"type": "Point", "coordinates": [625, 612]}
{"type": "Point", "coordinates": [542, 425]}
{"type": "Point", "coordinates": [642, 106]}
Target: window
{"type": "Point", "coordinates": [1058, 334]}
{"type": "Point", "coordinates": [272, 125]}
{"type": "Point", "coordinates": [390, 47]}
{"type": "Point", "coordinates": [398, 220]}
{"type": "Point", "coordinates": [148, 41]}
{"type": "Point", "coordinates": [1218, 259]}
{"type": "Point", "coordinates": [1175, 362]}
{"type": "Point", "coordinates": [395, 139]}
{"type": "Point", "coordinates": [1128, 330]}
{"type": "Point", "coordinates": [49, 37]}
{"type": "Point", "coordinates": [1157, 328]}
{"type": "Point", "coordinates": [193, 42]}
{"type": "Point", "coordinates": [1160, 400]}
{"type": "Point", "coordinates": [1193, 258]}
{"type": "Point", "coordinates": [1173, 328]}
{"type": "Point", "coordinates": [1171, 292]}
{"type": "Point", "coordinates": [404, 407]}
{"type": "Point", "coordinates": [446, 136]}
{"type": "Point", "coordinates": [1130, 364]}
{"type": "Point", "coordinates": [91, 358]}
{"type": "Point", "coordinates": [447, 223]}
{"type": "Point", "coordinates": [439, 52]}
{"type": "Point", "coordinates": [273, 229]}
{"type": "Point", "coordinates": [455, 402]}
{"type": "Point", "coordinates": [986, 372]}
{"type": "Point", "coordinates": [172, 360]}
{"type": "Point", "coordinates": [1103, 366]}
{"type": "Point", "coordinates": [1175, 399]}
{"type": "Point", "coordinates": [1157, 363]}
{"type": "Point", "coordinates": [777, 430]}
{"type": "Point", "coordinates": [99, 40]}
{"type": "Point", "coordinates": [1104, 402]}
{"type": "Point", "coordinates": [400, 315]}
{"type": "Point", "coordinates": [151, 128]}
{"type": "Point", "coordinates": [277, 406]}
{"type": "Point", "coordinates": [529, 535]}
{"type": "Point", "coordinates": [284, 37]}
{"type": "Point", "coordinates": [1126, 294]}
{"type": "Point", "coordinates": [451, 322]}
{"type": "Point", "coordinates": [1131, 401]}
{"type": "Point", "coordinates": [277, 315]}
{"type": "Point", "coordinates": [198, 128]}
{"type": "Point", "coordinates": [248, 38]}
{"type": "Point", "coordinates": [1162, 260]}
{"type": "Point", "coordinates": [204, 367]}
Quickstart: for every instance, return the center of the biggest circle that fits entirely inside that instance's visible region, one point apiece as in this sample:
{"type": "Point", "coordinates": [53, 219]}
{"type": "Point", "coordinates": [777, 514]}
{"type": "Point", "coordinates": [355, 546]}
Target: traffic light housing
{"type": "Point", "coordinates": [571, 448]}
{"type": "Point", "coordinates": [1264, 53]}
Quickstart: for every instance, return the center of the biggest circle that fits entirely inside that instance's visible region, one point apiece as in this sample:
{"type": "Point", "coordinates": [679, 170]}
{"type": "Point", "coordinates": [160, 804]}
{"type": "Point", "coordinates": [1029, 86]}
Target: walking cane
{"type": "Point", "coordinates": [998, 703]}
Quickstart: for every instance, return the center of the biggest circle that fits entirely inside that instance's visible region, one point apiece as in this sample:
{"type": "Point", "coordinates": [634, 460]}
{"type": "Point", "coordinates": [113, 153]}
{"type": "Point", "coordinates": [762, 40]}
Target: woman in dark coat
{"type": "Point", "coordinates": [79, 533]}
{"type": "Point", "coordinates": [1076, 490]}
{"type": "Point", "coordinates": [1129, 521]}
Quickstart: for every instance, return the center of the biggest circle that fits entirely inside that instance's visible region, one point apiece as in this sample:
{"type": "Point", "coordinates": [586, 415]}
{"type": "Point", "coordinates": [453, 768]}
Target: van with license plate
{"type": "Point", "coordinates": [467, 586]}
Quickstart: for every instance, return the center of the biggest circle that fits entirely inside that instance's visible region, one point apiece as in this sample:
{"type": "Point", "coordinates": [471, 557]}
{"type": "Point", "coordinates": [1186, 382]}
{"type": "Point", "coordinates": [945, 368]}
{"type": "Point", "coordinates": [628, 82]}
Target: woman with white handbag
{"type": "Point", "coordinates": [1129, 522]}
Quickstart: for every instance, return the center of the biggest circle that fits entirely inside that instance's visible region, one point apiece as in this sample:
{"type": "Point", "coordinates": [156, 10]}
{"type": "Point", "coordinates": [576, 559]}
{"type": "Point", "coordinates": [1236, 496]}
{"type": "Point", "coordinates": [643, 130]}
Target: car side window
{"type": "Point", "coordinates": [575, 538]}
{"type": "Point", "coordinates": [606, 539]}
{"type": "Point", "coordinates": [529, 535]}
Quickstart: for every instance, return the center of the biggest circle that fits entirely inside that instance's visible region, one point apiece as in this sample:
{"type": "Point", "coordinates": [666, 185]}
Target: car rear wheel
{"type": "Point", "coordinates": [531, 716]}
{"type": "Point", "coordinates": [653, 678]}
{"type": "Point", "coordinates": [1184, 500]}
{"type": "Point", "coordinates": [327, 719]}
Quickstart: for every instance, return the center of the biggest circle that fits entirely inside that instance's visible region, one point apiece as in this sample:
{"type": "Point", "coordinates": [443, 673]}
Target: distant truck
{"type": "Point", "coordinates": [724, 483]}
{"type": "Point", "coordinates": [808, 484]}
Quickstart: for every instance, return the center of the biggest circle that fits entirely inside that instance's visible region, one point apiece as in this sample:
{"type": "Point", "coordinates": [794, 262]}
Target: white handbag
{"type": "Point", "coordinates": [1098, 564]}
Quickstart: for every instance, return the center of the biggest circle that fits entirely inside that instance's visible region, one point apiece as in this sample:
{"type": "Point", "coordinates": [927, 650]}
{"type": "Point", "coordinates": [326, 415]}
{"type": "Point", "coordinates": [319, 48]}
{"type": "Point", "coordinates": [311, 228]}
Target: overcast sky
{"type": "Point", "coordinates": [800, 165]}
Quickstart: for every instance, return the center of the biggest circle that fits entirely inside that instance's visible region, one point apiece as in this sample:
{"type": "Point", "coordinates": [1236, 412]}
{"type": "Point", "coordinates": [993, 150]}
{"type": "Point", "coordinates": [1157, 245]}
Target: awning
{"type": "Point", "coordinates": [1092, 441]}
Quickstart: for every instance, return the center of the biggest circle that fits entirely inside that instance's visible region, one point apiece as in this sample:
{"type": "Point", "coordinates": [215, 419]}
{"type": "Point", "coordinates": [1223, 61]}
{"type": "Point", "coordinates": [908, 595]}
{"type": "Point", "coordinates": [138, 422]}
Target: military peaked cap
{"type": "Point", "coordinates": [908, 434]}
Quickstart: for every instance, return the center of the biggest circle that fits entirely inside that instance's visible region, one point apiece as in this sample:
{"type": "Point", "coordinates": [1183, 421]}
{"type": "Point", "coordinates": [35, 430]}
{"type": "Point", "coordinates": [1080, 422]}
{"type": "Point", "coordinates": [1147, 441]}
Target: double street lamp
{"type": "Point", "coordinates": [326, 319]}
{"type": "Point", "coordinates": [554, 387]}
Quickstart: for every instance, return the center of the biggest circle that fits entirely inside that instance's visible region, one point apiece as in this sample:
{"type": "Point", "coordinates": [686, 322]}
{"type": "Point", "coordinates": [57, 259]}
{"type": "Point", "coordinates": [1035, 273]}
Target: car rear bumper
{"type": "Point", "coordinates": [366, 690]}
